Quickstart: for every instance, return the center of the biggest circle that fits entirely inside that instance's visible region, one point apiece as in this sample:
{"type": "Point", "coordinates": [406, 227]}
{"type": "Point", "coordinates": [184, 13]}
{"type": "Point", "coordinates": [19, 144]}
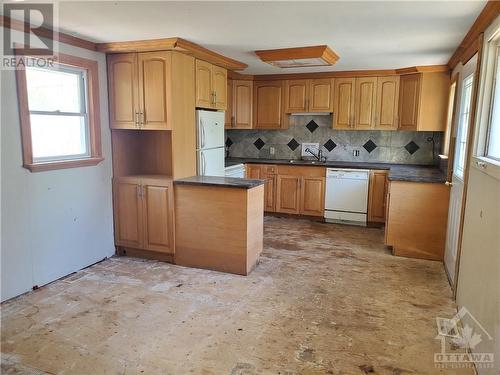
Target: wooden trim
{"type": "Point", "coordinates": [14, 24]}
{"type": "Point", "coordinates": [322, 52]}
{"type": "Point", "coordinates": [423, 69]}
{"type": "Point", "coordinates": [470, 140]}
{"type": "Point", "coordinates": [238, 76]}
{"type": "Point", "coordinates": [94, 112]}
{"type": "Point", "coordinates": [489, 13]}
{"type": "Point", "coordinates": [453, 138]}
{"type": "Point", "coordinates": [176, 44]}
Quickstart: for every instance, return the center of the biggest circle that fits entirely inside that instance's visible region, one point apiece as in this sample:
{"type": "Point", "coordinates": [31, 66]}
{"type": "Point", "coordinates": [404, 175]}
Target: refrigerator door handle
{"type": "Point", "coordinates": [203, 164]}
{"type": "Point", "coordinates": [202, 127]}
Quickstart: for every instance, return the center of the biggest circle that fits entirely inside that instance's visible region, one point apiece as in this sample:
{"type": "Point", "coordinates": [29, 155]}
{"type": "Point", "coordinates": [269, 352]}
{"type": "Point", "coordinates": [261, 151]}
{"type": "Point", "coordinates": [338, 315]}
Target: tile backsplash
{"type": "Point", "coordinates": [373, 146]}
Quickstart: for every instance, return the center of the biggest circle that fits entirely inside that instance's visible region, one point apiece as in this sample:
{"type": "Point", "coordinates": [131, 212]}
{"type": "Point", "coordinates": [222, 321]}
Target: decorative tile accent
{"type": "Point", "coordinates": [369, 146]}
{"type": "Point", "coordinates": [259, 143]}
{"type": "Point", "coordinates": [312, 126]}
{"type": "Point", "coordinates": [411, 147]}
{"type": "Point", "coordinates": [229, 142]}
{"type": "Point", "coordinates": [293, 144]}
{"type": "Point", "coordinates": [330, 145]}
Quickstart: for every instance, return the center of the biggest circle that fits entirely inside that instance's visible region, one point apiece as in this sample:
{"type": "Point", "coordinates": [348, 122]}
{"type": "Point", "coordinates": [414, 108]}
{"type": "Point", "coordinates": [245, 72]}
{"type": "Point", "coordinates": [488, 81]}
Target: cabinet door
{"type": "Point", "coordinates": [343, 103]}
{"type": "Point", "coordinates": [253, 171]}
{"type": "Point", "coordinates": [376, 196]}
{"type": "Point", "coordinates": [228, 115]}
{"type": "Point", "coordinates": [154, 81]}
{"type": "Point", "coordinates": [320, 95]}
{"type": "Point", "coordinates": [242, 104]}
{"type": "Point", "coordinates": [288, 194]}
{"type": "Point", "coordinates": [296, 94]}
{"type": "Point", "coordinates": [386, 114]}
{"type": "Point", "coordinates": [219, 87]}
{"type": "Point", "coordinates": [409, 100]}
{"type": "Point", "coordinates": [313, 196]}
{"type": "Point", "coordinates": [268, 104]}
{"type": "Point", "coordinates": [128, 214]}
{"type": "Point", "coordinates": [158, 218]}
{"type": "Point", "coordinates": [269, 192]}
{"type": "Point", "coordinates": [204, 97]}
{"type": "Point", "coordinates": [123, 91]}
{"type": "Point", "coordinates": [364, 102]}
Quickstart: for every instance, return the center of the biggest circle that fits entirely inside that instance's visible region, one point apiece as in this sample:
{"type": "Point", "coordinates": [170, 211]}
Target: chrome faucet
{"type": "Point", "coordinates": [319, 156]}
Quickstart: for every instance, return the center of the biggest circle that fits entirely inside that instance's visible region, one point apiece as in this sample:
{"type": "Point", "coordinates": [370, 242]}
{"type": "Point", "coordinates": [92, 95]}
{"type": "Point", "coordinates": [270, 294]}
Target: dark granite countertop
{"type": "Point", "coordinates": [397, 172]}
{"type": "Point", "coordinates": [229, 182]}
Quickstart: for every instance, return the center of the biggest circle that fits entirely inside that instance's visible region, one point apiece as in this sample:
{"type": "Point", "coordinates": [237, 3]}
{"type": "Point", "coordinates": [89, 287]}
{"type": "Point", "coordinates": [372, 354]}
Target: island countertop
{"type": "Point", "coordinates": [230, 182]}
{"type": "Point", "coordinates": [397, 172]}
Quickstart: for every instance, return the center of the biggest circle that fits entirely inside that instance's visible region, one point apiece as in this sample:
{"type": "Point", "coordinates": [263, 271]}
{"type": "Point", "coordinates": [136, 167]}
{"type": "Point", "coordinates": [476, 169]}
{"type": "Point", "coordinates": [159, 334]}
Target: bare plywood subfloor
{"type": "Point", "coordinates": [325, 299]}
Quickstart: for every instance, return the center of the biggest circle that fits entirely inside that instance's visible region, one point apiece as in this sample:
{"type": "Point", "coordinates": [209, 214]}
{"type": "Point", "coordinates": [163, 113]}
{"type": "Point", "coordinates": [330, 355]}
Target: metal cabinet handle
{"type": "Point", "coordinates": [143, 118]}
{"type": "Point", "coordinates": [137, 119]}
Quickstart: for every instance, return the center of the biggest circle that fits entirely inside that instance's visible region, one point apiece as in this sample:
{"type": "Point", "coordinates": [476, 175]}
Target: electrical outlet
{"type": "Point", "coordinates": [271, 150]}
{"type": "Point", "coordinates": [355, 152]}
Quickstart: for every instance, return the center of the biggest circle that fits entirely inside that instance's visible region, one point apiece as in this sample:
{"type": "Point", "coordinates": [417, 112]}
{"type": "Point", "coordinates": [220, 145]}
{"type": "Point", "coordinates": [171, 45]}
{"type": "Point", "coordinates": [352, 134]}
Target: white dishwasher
{"type": "Point", "coordinates": [346, 195]}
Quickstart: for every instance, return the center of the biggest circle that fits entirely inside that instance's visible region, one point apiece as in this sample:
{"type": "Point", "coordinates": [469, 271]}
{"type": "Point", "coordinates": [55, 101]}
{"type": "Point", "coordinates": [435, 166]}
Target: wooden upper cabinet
{"type": "Point", "coordinates": [268, 104]}
{"type": "Point", "coordinates": [296, 95]}
{"type": "Point", "coordinates": [409, 101]}
{"type": "Point", "coordinates": [211, 86]}
{"type": "Point", "coordinates": [228, 115]}
{"type": "Point", "coordinates": [320, 95]}
{"type": "Point", "coordinates": [288, 194]}
{"type": "Point", "coordinates": [242, 92]}
{"type": "Point", "coordinates": [128, 214]}
{"type": "Point", "coordinates": [364, 108]}
{"type": "Point", "coordinates": [377, 195]}
{"type": "Point", "coordinates": [158, 216]}
{"type": "Point", "coordinates": [386, 112]}
{"type": "Point", "coordinates": [313, 196]}
{"type": "Point", "coordinates": [154, 78]}
{"type": "Point", "coordinates": [343, 103]}
{"type": "Point", "coordinates": [123, 91]}
{"type": "Point", "coordinates": [204, 93]}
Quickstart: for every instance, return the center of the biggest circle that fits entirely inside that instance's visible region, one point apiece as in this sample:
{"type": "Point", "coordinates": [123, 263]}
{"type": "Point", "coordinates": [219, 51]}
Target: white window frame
{"type": "Point", "coordinates": [480, 160]}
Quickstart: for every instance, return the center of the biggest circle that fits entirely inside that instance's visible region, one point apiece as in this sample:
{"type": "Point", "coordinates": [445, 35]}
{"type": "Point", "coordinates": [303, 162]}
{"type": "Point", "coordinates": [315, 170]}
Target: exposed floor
{"type": "Point", "coordinates": [325, 299]}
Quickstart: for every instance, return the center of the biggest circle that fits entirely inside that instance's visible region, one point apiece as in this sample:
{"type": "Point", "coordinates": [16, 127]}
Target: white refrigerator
{"type": "Point", "coordinates": [210, 143]}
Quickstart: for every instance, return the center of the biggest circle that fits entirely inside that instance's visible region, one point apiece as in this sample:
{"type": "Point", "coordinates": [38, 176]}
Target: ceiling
{"type": "Point", "coordinates": [366, 35]}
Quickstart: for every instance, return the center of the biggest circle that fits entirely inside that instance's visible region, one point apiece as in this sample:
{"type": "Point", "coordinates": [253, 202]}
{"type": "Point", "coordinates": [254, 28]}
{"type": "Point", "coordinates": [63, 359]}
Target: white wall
{"type": "Point", "coordinates": [55, 222]}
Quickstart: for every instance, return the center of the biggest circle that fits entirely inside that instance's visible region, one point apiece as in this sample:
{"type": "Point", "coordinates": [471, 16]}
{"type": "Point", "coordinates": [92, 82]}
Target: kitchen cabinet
{"type": "Point", "coordinates": [313, 196]}
{"type": "Point", "coordinates": [138, 87]}
{"type": "Point", "coordinates": [268, 110]}
{"type": "Point", "coordinates": [242, 104]}
{"type": "Point", "coordinates": [228, 115]}
{"type": "Point", "coordinates": [269, 192]}
{"type": "Point", "coordinates": [343, 103]}
{"type": "Point", "coordinates": [377, 193]}
{"type": "Point", "coordinates": [143, 213]}
{"type": "Point", "coordinates": [288, 194]}
{"type": "Point", "coordinates": [211, 86]}
{"type": "Point", "coordinates": [423, 101]}
{"type": "Point", "coordinates": [365, 92]}
{"type": "Point", "coordinates": [308, 95]}
{"type": "Point", "coordinates": [253, 171]}
{"type": "Point", "coordinates": [386, 111]}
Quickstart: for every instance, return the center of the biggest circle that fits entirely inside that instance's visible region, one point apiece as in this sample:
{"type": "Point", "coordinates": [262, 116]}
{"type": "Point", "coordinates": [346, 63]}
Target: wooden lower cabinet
{"type": "Point", "coordinates": [143, 213]}
{"type": "Point", "coordinates": [377, 195]}
{"type": "Point", "coordinates": [313, 196]}
{"type": "Point", "coordinates": [253, 171]}
{"type": "Point", "coordinates": [269, 192]}
{"type": "Point", "coordinates": [288, 194]}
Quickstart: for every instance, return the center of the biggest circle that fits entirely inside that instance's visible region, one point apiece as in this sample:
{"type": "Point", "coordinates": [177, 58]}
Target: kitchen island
{"type": "Point", "coordinates": [219, 223]}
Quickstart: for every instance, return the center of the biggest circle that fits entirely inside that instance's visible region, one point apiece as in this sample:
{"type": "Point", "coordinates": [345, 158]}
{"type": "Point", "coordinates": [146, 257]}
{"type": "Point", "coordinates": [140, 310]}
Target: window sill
{"type": "Point", "coordinates": [486, 165]}
{"type": "Point", "coordinates": [54, 165]}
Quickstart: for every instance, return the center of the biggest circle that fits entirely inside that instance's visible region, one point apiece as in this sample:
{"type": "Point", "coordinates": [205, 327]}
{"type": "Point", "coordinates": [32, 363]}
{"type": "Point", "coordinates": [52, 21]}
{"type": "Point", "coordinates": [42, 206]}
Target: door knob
{"type": "Point", "coordinates": [448, 183]}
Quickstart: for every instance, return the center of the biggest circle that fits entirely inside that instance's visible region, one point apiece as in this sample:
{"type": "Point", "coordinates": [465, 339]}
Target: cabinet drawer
{"type": "Point", "coordinates": [298, 170]}
{"type": "Point", "coordinates": [269, 169]}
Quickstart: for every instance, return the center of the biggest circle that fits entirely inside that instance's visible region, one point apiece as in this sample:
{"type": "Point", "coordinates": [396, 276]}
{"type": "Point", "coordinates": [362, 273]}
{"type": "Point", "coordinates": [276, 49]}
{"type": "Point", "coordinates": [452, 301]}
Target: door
{"type": "Point", "coordinates": [268, 104]}
{"type": "Point", "coordinates": [343, 103]}
{"type": "Point", "coordinates": [242, 104]}
{"type": "Point", "coordinates": [219, 87]}
{"type": "Point", "coordinates": [128, 214]}
{"type": "Point", "coordinates": [313, 196]}
{"type": "Point", "coordinates": [377, 192]}
{"type": "Point", "coordinates": [296, 95]}
{"type": "Point", "coordinates": [158, 215]}
{"type": "Point", "coordinates": [123, 91]}
{"type": "Point", "coordinates": [288, 194]}
{"type": "Point", "coordinates": [210, 129]}
{"type": "Point", "coordinates": [386, 111]}
{"type": "Point", "coordinates": [459, 164]}
{"type": "Point", "coordinates": [228, 114]}
{"type": "Point", "coordinates": [320, 95]}
{"type": "Point", "coordinates": [154, 79]}
{"type": "Point", "coordinates": [364, 102]}
{"type": "Point", "coordinates": [269, 192]}
{"type": "Point", "coordinates": [211, 162]}
{"type": "Point", "coordinates": [409, 101]}
{"type": "Point", "coordinates": [203, 84]}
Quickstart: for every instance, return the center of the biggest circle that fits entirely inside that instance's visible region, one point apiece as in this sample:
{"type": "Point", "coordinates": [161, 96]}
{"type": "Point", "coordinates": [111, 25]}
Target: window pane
{"type": "Point", "coordinates": [53, 90]}
{"type": "Point", "coordinates": [463, 127]}
{"type": "Point", "coordinates": [494, 131]}
{"type": "Point", "coordinates": [55, 137]}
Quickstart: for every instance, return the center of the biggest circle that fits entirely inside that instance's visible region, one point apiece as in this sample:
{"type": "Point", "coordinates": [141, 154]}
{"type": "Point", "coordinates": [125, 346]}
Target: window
{"type": "Point", "coordinates": [60, 114]}
{"type": "Point", "coordinates": [463, 126]}
{"type": "Point", "coordinates": [493, 140]}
